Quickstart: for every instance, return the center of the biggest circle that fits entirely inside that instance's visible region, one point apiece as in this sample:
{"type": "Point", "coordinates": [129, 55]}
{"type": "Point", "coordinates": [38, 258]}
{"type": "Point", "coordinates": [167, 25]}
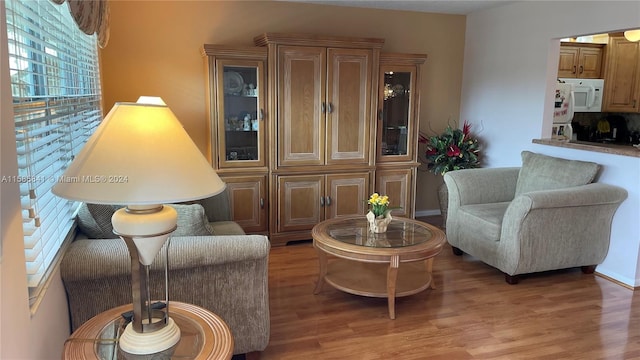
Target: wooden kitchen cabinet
{"type": "Point", "coordinates": [324, 99]}
{"type": "Point", "coordinates": [306, 200]}
{"type": "Point", "coordinates": [622, 75]}
{"type": "Point", "coordinates": [580, 60]}
{"type": "Point", "coordinates": [248, 202]}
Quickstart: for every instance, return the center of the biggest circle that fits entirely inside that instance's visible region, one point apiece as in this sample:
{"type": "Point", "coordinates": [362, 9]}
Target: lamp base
{"type": "Point", "coordinates": [136, 343]}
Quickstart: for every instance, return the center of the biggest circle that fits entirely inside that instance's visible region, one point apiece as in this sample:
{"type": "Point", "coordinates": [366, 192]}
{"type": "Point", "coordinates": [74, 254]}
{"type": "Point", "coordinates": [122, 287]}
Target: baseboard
{"type": "Point", "coordinates": [616, 281]}
{"type": "Point", "coordinates": [433, 212]}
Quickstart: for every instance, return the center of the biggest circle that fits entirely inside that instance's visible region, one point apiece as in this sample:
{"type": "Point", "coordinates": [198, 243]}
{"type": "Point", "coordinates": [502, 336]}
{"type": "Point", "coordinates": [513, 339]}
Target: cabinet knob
{"type": "Point", "coordinates": [574, 69]}
{"type": "Point", "coordinates": [321, 200]}
{"type": "Point", "coordinates": [328, 201]}
{"type": "Point", "coordinates": [581, 69]}
{"type": "Point", "coordinates": [323, 107]}
{"type": "Point", "coordinates": [261, 115]}
{"type": "Point", "coordinates": [330, 108]}
{"type": "Point", "coordinates": [261, 203]}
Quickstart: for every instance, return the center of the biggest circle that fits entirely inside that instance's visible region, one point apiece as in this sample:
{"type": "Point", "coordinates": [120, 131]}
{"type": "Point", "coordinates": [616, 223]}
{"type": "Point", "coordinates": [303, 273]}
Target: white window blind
{"type": "Point", "coordinates": [56, 97]}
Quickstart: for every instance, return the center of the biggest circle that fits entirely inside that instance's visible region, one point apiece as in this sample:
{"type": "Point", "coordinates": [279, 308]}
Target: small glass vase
{"type": "Point", "coordinates": [379, 225]}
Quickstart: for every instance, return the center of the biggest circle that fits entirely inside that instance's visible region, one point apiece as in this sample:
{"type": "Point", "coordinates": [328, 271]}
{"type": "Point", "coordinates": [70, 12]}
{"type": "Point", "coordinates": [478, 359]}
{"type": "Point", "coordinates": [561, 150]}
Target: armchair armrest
{"type": "Point", "coordinates": [573, 224]}
{"type": "Point", "coordinates": [479, 186]}
{"type": "Point", "coordinates": [584, 195]}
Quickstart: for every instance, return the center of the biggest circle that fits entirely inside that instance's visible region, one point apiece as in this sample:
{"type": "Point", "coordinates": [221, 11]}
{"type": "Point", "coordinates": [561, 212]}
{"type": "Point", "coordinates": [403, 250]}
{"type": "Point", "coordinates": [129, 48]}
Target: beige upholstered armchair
{"type": "Point", "coordinates": [546, 215]}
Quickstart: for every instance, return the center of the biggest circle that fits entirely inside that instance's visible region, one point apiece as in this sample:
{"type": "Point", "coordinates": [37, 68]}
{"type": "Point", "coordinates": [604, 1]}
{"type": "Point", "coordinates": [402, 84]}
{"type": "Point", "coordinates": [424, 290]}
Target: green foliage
{"type": "Point", "coordinates": [454, 149]}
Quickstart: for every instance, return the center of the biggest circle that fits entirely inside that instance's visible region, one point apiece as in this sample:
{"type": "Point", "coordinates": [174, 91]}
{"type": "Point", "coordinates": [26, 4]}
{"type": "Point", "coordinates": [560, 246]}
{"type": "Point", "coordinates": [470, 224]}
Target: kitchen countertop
{"type": "Point", "coordinates": [616, 149]}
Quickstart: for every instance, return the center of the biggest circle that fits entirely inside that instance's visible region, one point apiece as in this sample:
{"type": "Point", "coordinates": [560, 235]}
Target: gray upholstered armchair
{"type": "Point", "coordinates": [546, 215]}
{"type": "Point", "coordinates": [213, 264]}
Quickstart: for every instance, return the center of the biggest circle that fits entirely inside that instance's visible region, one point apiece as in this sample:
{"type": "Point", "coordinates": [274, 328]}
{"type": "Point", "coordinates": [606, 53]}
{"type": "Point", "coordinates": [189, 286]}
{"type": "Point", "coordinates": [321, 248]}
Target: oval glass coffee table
{"type": "Point", "coordinates": [392, 264]}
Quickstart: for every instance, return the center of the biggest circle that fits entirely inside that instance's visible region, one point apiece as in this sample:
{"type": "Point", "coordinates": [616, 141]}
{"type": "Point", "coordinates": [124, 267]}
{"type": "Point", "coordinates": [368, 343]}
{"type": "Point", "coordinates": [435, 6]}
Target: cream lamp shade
{"type": "Point", "coordinates": [632, 35]}
{"type": "Point", "coordinates": [140, 154]}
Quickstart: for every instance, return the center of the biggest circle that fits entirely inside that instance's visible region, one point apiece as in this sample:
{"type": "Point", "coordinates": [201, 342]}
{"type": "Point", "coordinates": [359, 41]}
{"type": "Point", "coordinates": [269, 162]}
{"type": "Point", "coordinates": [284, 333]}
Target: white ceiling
{"type": "Point", "coordinates": [460, 7]}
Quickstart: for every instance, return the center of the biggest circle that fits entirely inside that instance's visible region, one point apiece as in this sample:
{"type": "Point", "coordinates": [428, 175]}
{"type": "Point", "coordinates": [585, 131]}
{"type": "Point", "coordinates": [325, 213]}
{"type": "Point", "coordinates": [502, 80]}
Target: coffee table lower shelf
{"type": "Point", "coordinates": [370, 279]}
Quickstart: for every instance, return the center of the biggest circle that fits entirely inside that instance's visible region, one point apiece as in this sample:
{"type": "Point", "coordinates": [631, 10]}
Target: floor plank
{"type": "Point", "coordinates": [472, 314]}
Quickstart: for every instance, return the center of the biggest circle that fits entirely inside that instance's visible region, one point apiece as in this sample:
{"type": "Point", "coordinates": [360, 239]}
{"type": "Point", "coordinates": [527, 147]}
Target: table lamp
{"type": "Point", "coordinates": [140, 156]}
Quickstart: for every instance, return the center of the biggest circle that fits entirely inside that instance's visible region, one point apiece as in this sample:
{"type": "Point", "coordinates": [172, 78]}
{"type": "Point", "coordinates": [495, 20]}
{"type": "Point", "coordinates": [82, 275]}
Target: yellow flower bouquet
{"type": "Point", "coordinates": [379, 204]}
{"type": "Point", "coordinates": [379, 215]}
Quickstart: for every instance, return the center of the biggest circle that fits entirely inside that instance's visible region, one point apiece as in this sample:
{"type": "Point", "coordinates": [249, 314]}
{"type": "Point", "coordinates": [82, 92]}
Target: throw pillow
{"type": "Point", "coordinates": [217, 207]}
{"type": "Point", "coordinates": [94, 220]}
{"type": "Point", "coordinates": [542, 172]}
{"type": "Point", "coordinates": [192, 221]}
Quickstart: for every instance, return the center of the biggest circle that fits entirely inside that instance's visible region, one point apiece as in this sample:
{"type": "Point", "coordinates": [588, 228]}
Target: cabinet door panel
{"type": "Point", "coordinates": [398, 113]}
{"type": "Point", "coordinates": [299, 202]}
{"type": "Point", "coordinates": [302, 89]}
{"type": "Point", "coordinates": [248, 202]}
{"type": "Point", "coordinates": [348, 104]}
{"type": "Point", "coordinates": [567, 66]}
{"type": "Point", "coordinates": [240, 106]}
{"type": "Point", "coordinates": [347, 195]}
{"type": "Point", "coordinates": [590, 63]}
{"type": "Point", "coordinates": [397, 185]}
{"type": "Point", "coordinates": [622, 80]}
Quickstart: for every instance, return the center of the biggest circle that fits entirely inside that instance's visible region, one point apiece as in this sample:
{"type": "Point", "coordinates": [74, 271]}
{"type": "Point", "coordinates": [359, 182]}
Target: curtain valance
{"type": "Point", "coordinates": [92, 17]}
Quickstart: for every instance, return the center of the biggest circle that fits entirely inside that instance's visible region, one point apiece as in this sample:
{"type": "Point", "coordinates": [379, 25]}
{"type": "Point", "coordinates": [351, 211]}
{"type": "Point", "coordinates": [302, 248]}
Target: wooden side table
{"type": "Point", "coordinates": [204, 335]}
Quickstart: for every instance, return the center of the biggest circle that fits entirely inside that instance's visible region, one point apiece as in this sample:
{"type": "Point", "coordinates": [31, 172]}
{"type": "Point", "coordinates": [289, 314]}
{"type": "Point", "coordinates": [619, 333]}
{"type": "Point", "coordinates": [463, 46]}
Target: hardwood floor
{"type": "Point", "coordinates": [472, 314]}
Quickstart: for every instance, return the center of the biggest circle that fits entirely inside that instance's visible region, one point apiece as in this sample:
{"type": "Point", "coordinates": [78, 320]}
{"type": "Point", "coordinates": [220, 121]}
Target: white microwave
{"type": "Point", "coordinates": [586, 94]}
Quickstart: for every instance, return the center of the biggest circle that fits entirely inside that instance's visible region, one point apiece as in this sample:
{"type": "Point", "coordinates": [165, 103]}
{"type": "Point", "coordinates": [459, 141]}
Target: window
{"type": "Point", "coordinates": [56, 98]}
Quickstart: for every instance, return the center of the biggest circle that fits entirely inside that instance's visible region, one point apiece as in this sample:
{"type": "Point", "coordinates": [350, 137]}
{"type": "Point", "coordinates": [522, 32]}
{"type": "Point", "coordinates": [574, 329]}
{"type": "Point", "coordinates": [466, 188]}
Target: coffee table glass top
{"type": "Point", "coordinates": [399, 233]}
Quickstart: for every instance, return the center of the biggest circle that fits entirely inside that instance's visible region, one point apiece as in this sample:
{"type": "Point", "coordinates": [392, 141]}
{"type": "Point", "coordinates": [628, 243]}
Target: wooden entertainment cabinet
{"type": "Point", "coordinates": [305, 127]}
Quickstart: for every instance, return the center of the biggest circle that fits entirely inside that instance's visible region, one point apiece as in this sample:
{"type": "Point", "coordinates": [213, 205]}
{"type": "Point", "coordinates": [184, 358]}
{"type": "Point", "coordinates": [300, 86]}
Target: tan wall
{"type": "Point", "coordinates": [154, 49]}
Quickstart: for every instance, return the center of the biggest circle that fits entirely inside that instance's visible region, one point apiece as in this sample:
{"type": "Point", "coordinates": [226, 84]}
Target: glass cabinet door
{"type": "Point", "coordinates": [240, 113]}
{"type": "Point", "coordinates": [396, 113]}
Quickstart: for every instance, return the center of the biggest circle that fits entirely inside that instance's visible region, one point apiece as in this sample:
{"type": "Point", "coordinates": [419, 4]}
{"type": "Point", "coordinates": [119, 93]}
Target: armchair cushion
{"type": "Point", "coordinates": [487, 217]}
{"type": "Point", "coordinates": [226, 228]}
{"type": "Point", "coordinates": [542, 172]}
